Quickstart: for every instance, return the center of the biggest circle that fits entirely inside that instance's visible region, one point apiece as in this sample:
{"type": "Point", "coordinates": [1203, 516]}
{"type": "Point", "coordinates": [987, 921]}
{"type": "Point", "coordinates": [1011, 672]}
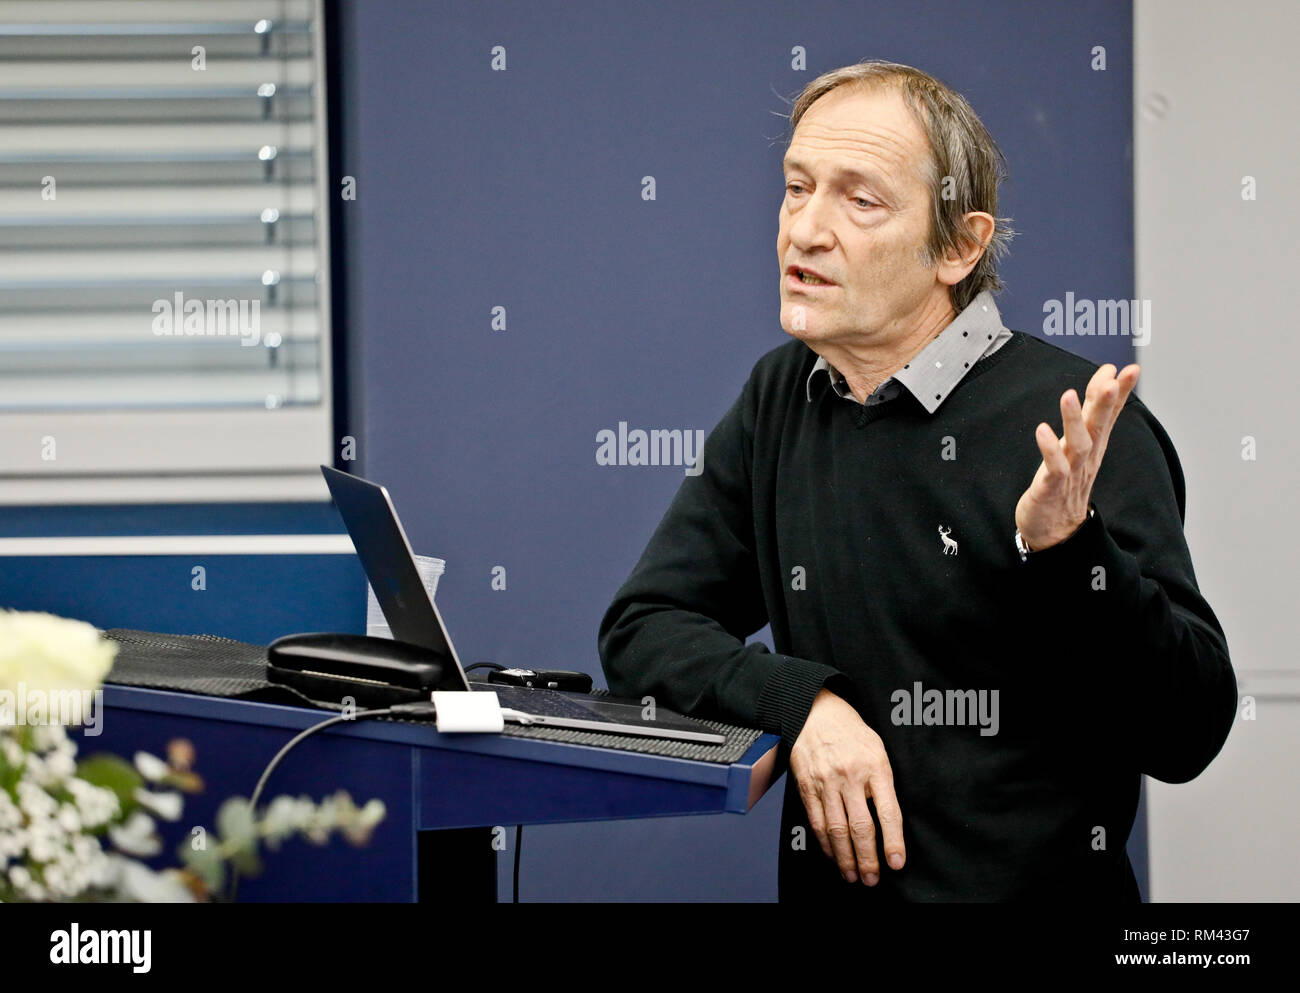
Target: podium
{"type": "Point", "coordinates": [452, 799]}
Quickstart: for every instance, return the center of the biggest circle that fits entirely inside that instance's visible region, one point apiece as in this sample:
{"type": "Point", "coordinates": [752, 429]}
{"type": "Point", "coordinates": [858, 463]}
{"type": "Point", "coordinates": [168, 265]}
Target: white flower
{"type": "Point", "coordinates": [11, 846]}
{"type": "Point", "coordinates": [34, 769]}
{"type": "Point", "coordinates": [44, 840]}
{"type": "Point", "coordinates": [165, 805]}
{"type": "Point", "coordinates": [278, 821]}
{"type": "Point", "coordinates": [10, 750]}
{"type": "Point", "coordinates": [372, 813]}
{"type": "Point", "coordinates": [78, 879]}
{"type": "Point", "coordinates": [51, 653]}
{"type": "Point", "coordinates": [304, 813]}
{"type": "Point", "coordinates": [96, 805]}
{"type": "Point", "coordinates": [56, 879]}
{"type": "Point", "coordinates": [136, 836]}
{"type": "Point", "coordinates": [150, 767]}
{"type": "Point", "coordinates": [34, 801]}
{"type": "Point", "coordinates": [69, 819]}
{"type": "Point", "coordinates": [48, 737]}
{"type": "Point", "coordinates": [85, 848]}
{"type": "Point", "coordinates": [10, 816]}
{"type": "Point", "coordinates": [138, 882]}
{"type": "Point", "coordinates": [35, 891]}
{"type": "Point", "coordinates": [101, 872]}
{"type": "Point", "coordinates": [60, 766]}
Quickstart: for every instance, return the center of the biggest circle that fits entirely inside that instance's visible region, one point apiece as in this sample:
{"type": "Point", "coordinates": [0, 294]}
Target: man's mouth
{"type": "Point", "coordinates": [797, 276]}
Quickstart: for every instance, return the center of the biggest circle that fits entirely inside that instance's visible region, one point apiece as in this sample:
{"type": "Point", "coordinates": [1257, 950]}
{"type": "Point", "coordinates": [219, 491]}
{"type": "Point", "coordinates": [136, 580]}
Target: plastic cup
{"type": "Point", "coordinates": [430, 571]}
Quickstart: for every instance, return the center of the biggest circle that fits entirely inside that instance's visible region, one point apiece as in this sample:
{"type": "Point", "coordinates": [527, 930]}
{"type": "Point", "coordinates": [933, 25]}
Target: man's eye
{"type": "Point", "coordinates": [864, 201]}
{"type": "Point", "coordinates": [794, 187]}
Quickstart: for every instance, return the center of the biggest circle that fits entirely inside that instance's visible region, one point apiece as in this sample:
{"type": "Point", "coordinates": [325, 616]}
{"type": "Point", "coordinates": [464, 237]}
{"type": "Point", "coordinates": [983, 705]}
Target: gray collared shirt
{"type": "Point", "coordinates": [937, 369]}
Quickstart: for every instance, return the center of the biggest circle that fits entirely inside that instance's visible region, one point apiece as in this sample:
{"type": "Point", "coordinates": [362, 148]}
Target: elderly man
{"type": "Point", "coordinates": [985, 633]}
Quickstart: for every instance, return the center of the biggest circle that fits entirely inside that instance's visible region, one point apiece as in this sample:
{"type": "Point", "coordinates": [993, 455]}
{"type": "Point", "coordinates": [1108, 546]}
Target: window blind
{"type": "Point", "coordinates": [163, 224]}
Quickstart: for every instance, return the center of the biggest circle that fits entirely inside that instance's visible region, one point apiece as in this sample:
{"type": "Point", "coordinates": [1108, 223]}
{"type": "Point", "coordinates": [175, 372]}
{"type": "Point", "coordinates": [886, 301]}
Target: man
{"type": "Point", "coordinates": [985, 633]}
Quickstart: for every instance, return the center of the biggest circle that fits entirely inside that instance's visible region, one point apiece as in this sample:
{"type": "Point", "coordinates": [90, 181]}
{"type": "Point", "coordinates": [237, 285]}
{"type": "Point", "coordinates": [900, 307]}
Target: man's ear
{"type": "Point", "coordinates": [956, 266]}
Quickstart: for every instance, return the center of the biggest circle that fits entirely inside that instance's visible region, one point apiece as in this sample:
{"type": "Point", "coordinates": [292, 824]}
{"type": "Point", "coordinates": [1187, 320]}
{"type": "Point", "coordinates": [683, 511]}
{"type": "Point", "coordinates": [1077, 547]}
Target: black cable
{"type": "Point", "coordinates": [421, 708]}
{"type": "Point", "coordinates": [519, 839]}
{"type": "Point", "coordinates": [484, 665]}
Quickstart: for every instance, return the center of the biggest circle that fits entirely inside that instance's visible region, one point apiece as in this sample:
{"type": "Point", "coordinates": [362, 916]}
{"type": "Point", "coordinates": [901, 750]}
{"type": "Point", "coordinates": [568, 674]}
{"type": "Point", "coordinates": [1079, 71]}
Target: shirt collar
{"type": "Point", "coordinates": [936, 370]}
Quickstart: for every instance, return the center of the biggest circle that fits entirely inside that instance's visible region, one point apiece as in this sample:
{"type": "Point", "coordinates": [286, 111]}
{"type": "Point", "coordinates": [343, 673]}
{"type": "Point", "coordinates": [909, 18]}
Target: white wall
{"type": "Point", "coordinates": [1215, 86]}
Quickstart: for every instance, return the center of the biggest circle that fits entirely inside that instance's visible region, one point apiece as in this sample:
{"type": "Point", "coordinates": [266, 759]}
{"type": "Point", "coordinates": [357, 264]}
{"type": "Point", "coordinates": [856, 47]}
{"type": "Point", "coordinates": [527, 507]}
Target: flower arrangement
{"type": "Point", "coordinates": [77, 830]}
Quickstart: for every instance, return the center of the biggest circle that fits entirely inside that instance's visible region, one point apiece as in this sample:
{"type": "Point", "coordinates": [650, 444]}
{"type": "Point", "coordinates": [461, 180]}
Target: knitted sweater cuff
{"type": "Point", "coordinates": [789, 692]}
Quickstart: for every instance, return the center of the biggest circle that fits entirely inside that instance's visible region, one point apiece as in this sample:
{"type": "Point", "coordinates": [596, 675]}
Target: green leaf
{"type": "Point", "coordinates": [235, 821]}
{"type": "Point", "coordinates": [112, 773]}
{"type": "Point", "coordinates": [247, 862]}
{"type": "Point", "coordinates": [239, 835]}
{"type": "Point", "coordinates": [9, 776]}
{"type": "Point", "coordinates": [278, 821]}
{"type": "Point", "coordinates": [206, 864]}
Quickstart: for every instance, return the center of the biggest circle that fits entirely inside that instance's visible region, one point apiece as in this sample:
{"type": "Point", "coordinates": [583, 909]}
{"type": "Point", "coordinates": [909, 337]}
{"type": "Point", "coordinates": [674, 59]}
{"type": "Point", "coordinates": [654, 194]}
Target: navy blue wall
{"type": "Point", "coordinates": [522, 189]}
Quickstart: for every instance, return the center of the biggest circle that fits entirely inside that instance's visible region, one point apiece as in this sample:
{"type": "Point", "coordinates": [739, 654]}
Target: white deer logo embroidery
{"type": "Point", "coordinates": [948, 544]}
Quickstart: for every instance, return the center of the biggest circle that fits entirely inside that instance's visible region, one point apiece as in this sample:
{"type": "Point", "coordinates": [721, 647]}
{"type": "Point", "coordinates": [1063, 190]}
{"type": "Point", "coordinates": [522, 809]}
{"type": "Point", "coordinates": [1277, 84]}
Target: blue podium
{"type": "Point", "coordinates": [452, 799]}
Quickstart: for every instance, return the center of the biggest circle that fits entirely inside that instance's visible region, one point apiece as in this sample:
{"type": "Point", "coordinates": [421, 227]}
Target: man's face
{"type": "Point", "coordinates": [856, 211]}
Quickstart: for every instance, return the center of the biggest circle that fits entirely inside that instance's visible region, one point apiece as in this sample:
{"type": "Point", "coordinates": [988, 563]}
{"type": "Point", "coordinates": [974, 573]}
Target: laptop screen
{"type": "Point", "coordinates": [389, 564]}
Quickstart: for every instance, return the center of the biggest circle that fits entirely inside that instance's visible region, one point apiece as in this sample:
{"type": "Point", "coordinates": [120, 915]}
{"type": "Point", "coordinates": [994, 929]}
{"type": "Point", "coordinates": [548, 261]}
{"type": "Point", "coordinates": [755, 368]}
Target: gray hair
{"type": "Point", "coordinates": [960, 148]}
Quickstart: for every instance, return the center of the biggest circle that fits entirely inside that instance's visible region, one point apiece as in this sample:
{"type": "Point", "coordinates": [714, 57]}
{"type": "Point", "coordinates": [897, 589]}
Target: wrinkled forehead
{"type": "Point", "coordinates": [868, 130]}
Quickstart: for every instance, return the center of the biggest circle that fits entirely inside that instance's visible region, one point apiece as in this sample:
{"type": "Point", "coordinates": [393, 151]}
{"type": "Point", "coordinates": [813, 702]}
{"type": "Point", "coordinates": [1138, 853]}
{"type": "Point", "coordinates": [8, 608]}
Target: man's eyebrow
{"type": "Point", "coordinates": [851, 173]}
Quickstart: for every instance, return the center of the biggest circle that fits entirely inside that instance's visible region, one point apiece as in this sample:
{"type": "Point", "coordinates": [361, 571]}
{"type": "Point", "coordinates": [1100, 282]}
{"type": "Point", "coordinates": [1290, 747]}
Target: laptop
{"type": "Point", "coordinates": [389, 564]}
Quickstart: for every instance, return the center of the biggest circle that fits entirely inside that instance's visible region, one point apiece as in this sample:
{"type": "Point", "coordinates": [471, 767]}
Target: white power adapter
{"type": "Point", "coordinates": [460, 712]}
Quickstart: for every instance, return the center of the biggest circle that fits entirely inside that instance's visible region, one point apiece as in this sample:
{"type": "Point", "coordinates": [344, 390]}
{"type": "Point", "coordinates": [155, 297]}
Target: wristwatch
{"type": "Point", "coordinates": [1024, 549]}
{"type": "Point", "coordinates": [1021, 547]}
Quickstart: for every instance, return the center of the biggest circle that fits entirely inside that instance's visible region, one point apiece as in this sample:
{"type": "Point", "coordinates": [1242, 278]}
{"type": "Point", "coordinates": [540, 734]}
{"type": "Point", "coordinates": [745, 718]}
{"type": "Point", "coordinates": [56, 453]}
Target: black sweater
{"type": "Point", "coordinates": [821, 519]}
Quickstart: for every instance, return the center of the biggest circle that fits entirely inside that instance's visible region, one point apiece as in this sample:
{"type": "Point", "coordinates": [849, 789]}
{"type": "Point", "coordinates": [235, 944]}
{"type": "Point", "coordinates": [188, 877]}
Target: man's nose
{"type": "Point", "coordinates": [810, 225]}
